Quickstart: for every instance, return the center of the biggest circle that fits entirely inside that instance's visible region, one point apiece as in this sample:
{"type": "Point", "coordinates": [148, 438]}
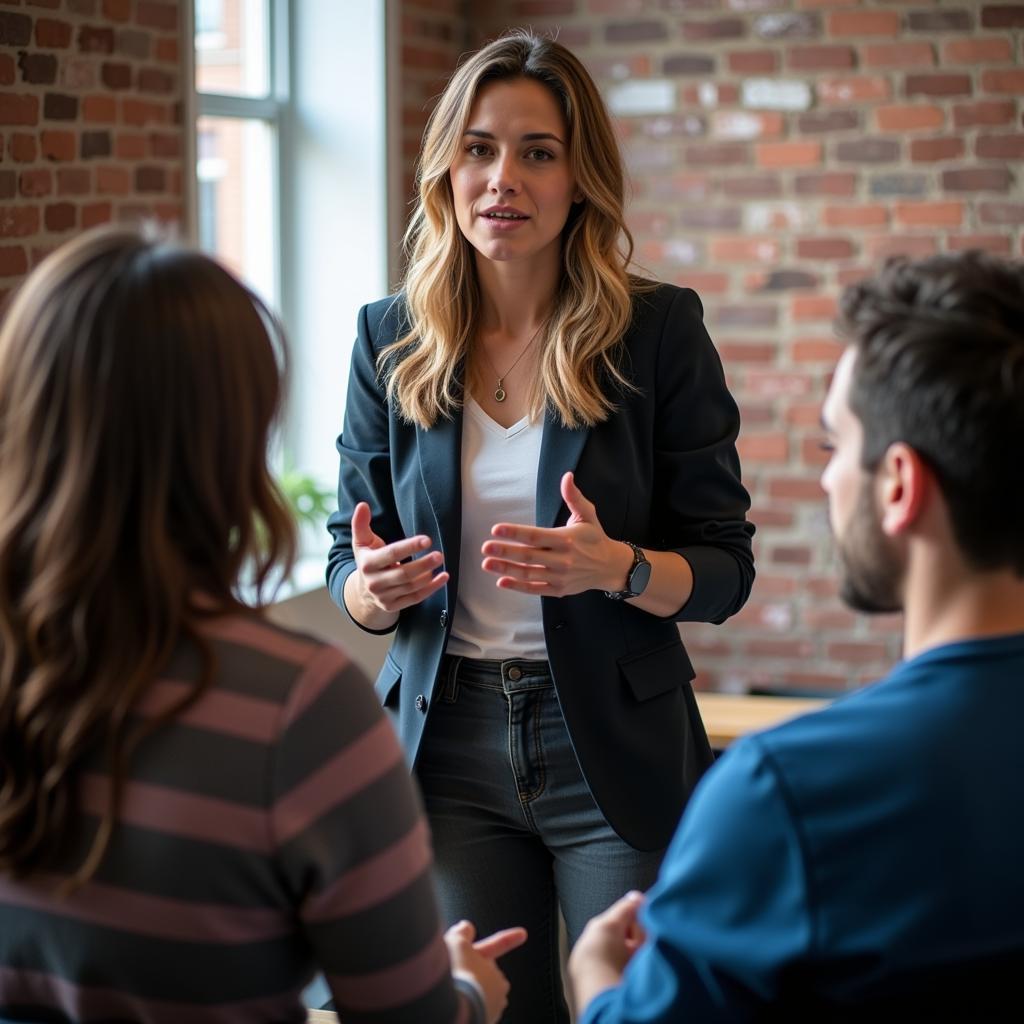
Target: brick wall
{"type": "Point", "coordinates": [779, 149]}
{"type": "Point", "coordinates": [90, 121]}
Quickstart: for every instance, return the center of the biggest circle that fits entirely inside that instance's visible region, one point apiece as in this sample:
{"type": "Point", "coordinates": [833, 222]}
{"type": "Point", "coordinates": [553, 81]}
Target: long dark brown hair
{"type": "Point", "coordinates": [139, 383]}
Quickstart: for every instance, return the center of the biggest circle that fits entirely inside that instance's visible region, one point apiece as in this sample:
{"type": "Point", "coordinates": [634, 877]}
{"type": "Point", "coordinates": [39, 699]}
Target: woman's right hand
{"type": "Point", "coordinates": [476, 960]}
{"type": "Point", "coordinates": [388, 578]}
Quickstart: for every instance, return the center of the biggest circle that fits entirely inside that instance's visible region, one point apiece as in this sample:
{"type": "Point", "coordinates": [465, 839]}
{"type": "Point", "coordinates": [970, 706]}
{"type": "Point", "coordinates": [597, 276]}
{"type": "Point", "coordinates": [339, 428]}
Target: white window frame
{"type": "Point", "coordinates": [337, 160]}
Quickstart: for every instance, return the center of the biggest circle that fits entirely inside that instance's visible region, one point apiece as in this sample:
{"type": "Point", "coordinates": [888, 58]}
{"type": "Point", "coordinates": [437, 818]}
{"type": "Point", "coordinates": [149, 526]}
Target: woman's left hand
{"type": "Point", "coordinates": [560, 561]}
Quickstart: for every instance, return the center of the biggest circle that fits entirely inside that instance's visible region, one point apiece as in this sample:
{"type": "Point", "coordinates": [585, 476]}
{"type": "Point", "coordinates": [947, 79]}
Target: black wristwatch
{"type": "Point", "coordinates": [637, 578]}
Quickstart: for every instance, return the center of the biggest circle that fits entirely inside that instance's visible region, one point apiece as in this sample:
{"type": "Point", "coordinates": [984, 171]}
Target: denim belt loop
{"type": "Point", "coordinates": [450, 687]}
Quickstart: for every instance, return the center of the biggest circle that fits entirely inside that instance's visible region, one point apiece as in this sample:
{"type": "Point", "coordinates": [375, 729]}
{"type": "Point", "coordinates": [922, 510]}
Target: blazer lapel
{"type": "Point", "coordinates": [440, 455]}
{"type": "Point", "coordinates": [560, 451]}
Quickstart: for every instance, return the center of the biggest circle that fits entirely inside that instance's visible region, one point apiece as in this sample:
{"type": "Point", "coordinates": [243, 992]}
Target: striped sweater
{"type": "Point", "coordinates": [269, 830]}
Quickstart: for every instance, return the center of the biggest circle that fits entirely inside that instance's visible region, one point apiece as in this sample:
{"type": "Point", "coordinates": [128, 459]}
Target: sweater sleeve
{"type": "Point", "coordinates": [354, 851]}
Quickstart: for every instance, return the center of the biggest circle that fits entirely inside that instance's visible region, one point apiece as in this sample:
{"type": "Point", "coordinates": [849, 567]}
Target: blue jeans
{"type": "Point", "coordinates": [516, 832]}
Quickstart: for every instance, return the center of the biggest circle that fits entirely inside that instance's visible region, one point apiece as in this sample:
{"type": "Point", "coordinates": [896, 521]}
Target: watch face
{"type": "Point", "coordinates": [639, 578]}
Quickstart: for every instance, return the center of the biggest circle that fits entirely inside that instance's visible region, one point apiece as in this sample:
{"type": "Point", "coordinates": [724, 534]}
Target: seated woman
{"type": "Point", "coordinates": [197, 809]}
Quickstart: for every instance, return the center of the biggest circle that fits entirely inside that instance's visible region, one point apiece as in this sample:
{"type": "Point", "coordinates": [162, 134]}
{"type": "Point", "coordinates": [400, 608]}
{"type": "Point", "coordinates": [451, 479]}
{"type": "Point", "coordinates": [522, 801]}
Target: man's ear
{"type": "Point", "coordinates": [904, 482]}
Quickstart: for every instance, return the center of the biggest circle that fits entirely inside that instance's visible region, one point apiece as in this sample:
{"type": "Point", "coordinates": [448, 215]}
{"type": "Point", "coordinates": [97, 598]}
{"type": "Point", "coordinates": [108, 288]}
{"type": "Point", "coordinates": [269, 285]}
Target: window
{"type": "Point", "coordinates": [241, 94]}
{"type": "Point", "coordinates": [291, 187]}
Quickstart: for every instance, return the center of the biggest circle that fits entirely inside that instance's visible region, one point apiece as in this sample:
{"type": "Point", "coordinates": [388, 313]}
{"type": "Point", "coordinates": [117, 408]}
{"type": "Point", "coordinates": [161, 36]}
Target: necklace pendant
{"type": "Point", "coordinates": [499, 393]}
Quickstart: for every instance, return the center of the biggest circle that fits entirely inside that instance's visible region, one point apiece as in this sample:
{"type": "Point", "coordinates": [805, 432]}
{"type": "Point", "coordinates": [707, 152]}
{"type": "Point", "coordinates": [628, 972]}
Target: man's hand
{"type": "Point", "coordinates": [606, 946]}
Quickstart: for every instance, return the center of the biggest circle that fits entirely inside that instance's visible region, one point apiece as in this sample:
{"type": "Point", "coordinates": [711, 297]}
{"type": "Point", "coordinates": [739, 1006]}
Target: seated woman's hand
{"type": "Point", "coordinates": [476, 960]}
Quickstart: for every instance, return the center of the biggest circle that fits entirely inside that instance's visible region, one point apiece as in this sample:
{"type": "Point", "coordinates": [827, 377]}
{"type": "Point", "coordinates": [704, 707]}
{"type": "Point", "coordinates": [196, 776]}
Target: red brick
{"type": "Point", "coordinates": [819, 58]}
{"type": "Point", "coordinates": [1000, 245]}
{"type": "Point", "coordinates": [117, 10]}
{"type": "Point", "coordinates": [880, 247]}
{"type": "Point", "coordinates": [36, 182]}
{"type": "Point", "coordinates": [937, 215]}
{"type": "Point", "coordinates": [746, 315]}
{"type": "Point", "coordinates": [73, 181]}
{"type": "Point", "coordinates": [7, 68]}
{"type": "Point", "coordinates": [22, 147]}
{"type": "Point", "coordinates": [1002, 16]}
{"type": "Point", "coordinates": [814, 121]}
{"type": "Point", "coordinates": [157, 15]}
{"type": "Point", "coordinates": [163, 144]}
{"type": "Point", "coordinates": [150, 179]}
{"type": "Point", "coordinates": [58, 146]}
{"type": "Point", "coordinates": [745, 249]}
{"type": "Point", "coordinates": [60, 217]}
{"type": "Point", "coordinates": [116, 75]}
{"type": "Point", "coordinates": [1003, 81]}
{"type": "Point", "coordinates": [780, 280]}
{"type": "Point", "coordinates": [986, 112]}
{"type": "Point", "coordinates": [813, 307]}
{"type": "Point", "coordinates": [1001, 213]}
{"type": "Point", "coordinates": [938, 85]}
{"type": "Point", "coordinates": [130, 146]}
{"type": "Point", "coordinates": [769, 648]}
{"type": "Point", "coordinates": [96, 213]}
{"type": "Point", "coordinates": [18, 221]}
{"type": "Point", "coordinates": [932, 150]}
{"type": "Point", "coordinates": [716, 154]}
{"type": "Point", "coordinates": [774, 384]}
{"type": "Point", "coordinates": [1000, 147]}
{"type": "Point", "coordinates": [18, 109]}
{"type": "Point", "coordinates": [976, 51]}
{"type": "Point", "coordinates": [797, 489]}
{"type": "Point", "coordinates": [752, 186]}
{"type": "Point", "coordinates": [707, 282]}
{"type": "Point", "coordinates": [763, 447]}
{"type": "Point", "coordinates": [787, 154]}
{"type": "Point", "coordinates": [113, 181]}
{"type": "Point", "coordinates": [13, 261]}
{"type": "Point", "coordinates": [824, 248]}
{"type": "Point", "coordinates": [543, 8]}
{"type": "Point", "coordinates": [53, 34]}
{"type": "Point", "coordinates": [864, 23]}
{"type": "Point", "coordinates": [743, 351]}
{"type": "Point", "coordinates": [95, 39]}
{"type": "Point", "coordinates": [804, 415]}
{"type": "Point", "coordinates": [873, 215]}
{"type": "Point", "coordinates": [828, 618]}
{"type": "Point", "coordinates": [99, 109]}
{"type": "Point", "coordinates": [141, 112]}
{"type": "Point", "coordinates": [977, 179]}
{"type": "Point", "coordinates": [166, 51]}
{"type": "Point", "coordinates": [718, 28]}
{"type": "Point", "coordinates": [752, 62]}
{"type": "Point", "coordinates": [829, 183]}
{"type": "Point", "coordinates": [816, 350]}
{"type": "Point", "coordinates": [854, 88]}
{"type": "Point", "coordinates": [897, 55]}
{"type": "Point", "coordinates": [909, 117]}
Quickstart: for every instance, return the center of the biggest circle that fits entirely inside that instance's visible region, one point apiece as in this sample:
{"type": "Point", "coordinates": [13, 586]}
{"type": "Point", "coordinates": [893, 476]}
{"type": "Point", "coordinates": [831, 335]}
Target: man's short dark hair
{"type": "Point", "coordinates": [940, 367]}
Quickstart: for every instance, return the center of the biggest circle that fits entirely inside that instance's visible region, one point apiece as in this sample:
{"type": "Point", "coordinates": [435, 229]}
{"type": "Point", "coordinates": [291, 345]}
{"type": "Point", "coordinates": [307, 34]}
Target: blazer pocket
{"type": "Point", "coordinates": [387, 682]}
{"type": "Point", "coordinates": [659, 671]}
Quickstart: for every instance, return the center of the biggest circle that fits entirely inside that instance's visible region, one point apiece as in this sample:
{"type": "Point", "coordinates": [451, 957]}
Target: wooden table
{"type": "Point", "coordinates": [322, 1017]}
{"type": "Point", "coordinates": [727, 716]}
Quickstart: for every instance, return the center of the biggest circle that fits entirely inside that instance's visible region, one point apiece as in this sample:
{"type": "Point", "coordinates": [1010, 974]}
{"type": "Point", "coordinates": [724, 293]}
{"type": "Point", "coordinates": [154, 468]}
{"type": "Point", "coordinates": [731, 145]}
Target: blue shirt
{"type": "Point", "coordinates": [870, 855]}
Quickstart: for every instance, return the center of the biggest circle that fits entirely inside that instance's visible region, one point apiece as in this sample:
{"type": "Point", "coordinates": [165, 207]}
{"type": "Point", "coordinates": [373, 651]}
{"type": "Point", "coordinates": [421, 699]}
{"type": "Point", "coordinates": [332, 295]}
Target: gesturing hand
{"type": "Point", "coordinates": [558, 561]}
{"type": "Point", "coordinates": [390, 578]}
{"type": "Point", "coordinates": [477, 960]}
{"type": "Point", "coordinates": [606, 946]}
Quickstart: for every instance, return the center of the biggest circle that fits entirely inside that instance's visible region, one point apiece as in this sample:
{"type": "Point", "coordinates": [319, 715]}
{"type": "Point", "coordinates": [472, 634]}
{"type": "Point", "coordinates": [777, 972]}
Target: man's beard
{"type": "Point", "coordinates": [872, 567]}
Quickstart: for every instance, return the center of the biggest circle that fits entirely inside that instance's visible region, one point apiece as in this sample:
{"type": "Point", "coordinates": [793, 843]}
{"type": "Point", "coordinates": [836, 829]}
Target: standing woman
{"type": "Point", "coordinates": [538, 480]}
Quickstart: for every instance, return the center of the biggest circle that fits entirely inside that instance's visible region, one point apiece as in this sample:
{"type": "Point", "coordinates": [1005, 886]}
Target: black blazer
{"type": "Point", "coordinates": [663, 473]}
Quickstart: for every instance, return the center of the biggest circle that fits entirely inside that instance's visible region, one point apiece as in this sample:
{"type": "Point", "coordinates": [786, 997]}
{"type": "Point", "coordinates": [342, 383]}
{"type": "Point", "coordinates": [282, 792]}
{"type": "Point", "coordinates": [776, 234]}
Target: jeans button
{"type": "Point", "coordinates": [444, 618]}
{"type": "Point", "coordinates": [420, 702]}
{"type": "Point", "coordinates": [515, 673]}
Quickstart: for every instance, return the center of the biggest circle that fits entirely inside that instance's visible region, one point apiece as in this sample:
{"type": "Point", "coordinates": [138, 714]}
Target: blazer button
{"type": "Point", "coordinates": [444, 618]}
{"type": "Point", "coordinates": [420, 702]}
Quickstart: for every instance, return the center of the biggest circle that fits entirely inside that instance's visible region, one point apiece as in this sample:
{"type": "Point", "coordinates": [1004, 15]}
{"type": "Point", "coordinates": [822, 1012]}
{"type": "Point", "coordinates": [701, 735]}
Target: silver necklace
{"type": "Point", "coordinates": [499, 392]}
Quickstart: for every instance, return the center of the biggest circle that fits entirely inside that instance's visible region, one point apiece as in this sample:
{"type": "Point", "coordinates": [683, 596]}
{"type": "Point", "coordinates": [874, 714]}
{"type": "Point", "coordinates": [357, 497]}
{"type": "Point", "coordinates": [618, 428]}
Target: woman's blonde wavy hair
{"type": "Point", "coordinates": [593, 306]}
{"type": "Point", "coordinates": [138, 386]}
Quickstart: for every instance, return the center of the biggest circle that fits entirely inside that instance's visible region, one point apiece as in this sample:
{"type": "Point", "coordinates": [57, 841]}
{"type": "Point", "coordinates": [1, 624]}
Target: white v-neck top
{"type": "Point", "coordinates": [499, 485]}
